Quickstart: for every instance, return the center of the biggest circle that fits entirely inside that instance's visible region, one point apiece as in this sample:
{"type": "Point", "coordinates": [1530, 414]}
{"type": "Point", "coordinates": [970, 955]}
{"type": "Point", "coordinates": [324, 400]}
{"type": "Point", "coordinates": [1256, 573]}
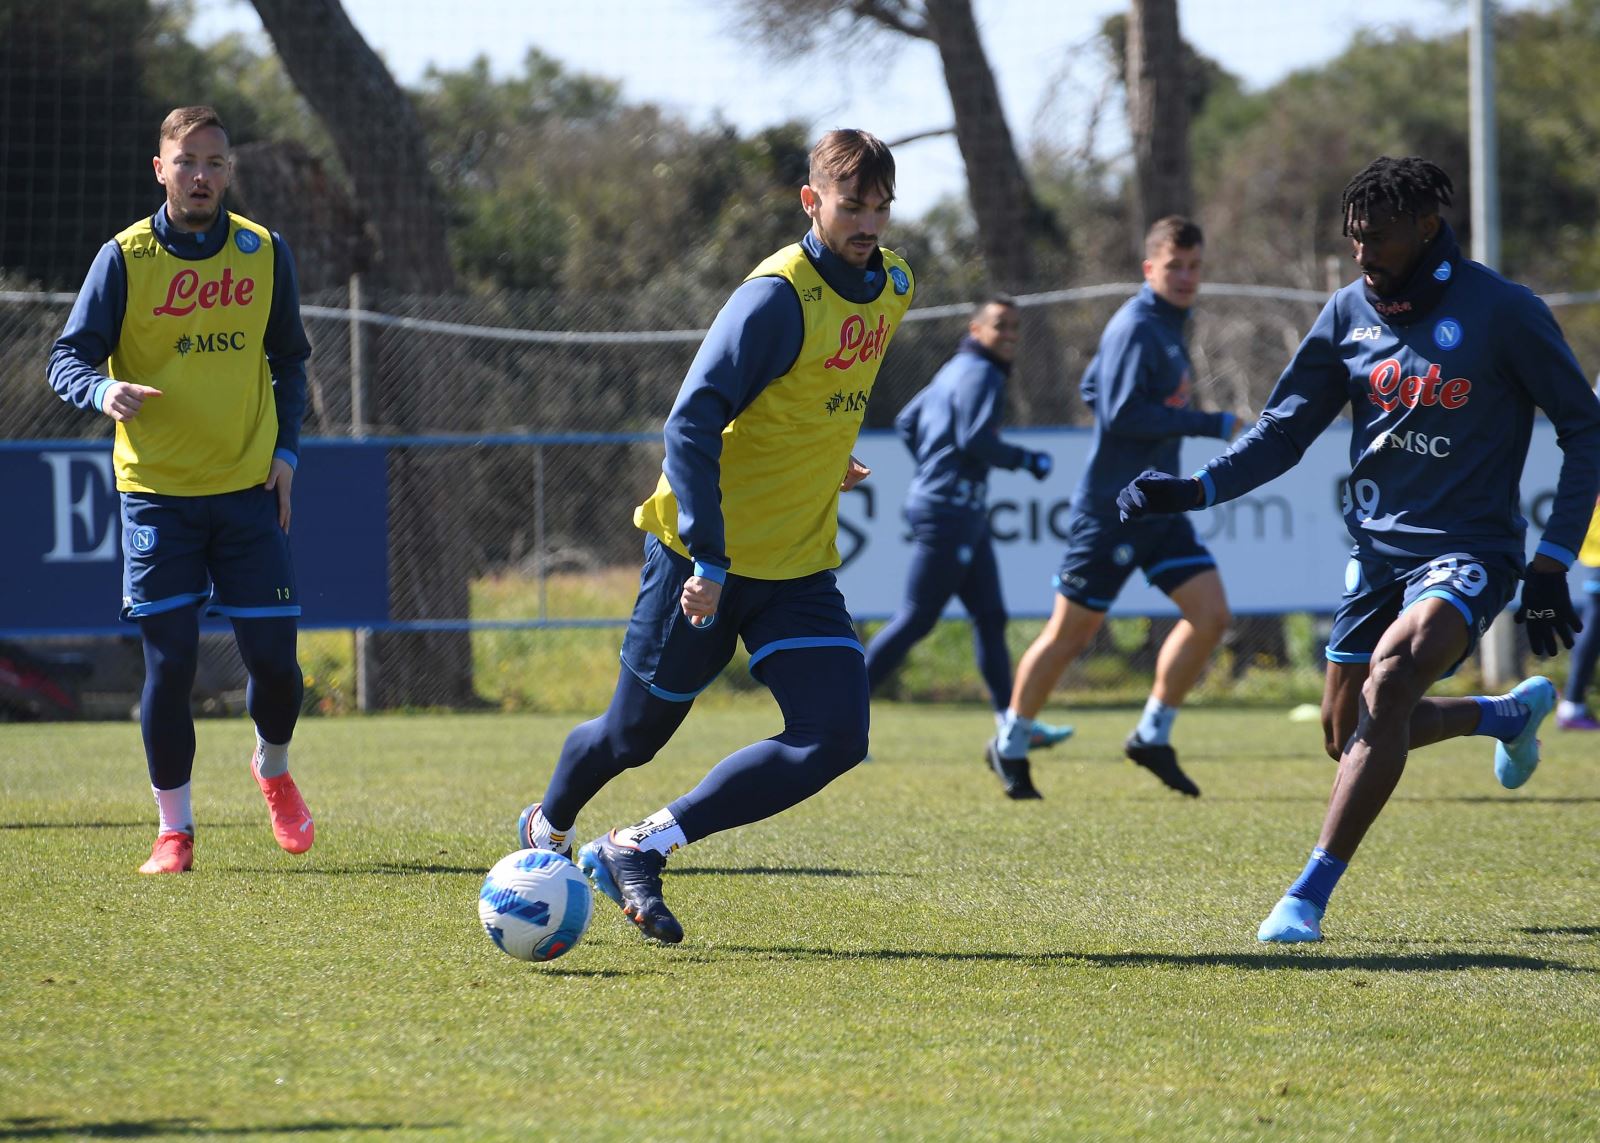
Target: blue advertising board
{"type": "Point", "coordinates": [61, 562]}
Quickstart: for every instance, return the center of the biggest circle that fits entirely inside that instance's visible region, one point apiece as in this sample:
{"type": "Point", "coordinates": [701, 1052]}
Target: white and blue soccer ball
{"type": "Point", "coordinates": [535, 904]}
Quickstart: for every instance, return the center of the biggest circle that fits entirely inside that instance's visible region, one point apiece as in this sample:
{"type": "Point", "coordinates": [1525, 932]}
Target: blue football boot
{"type": "Point", "coordinates": [1044, 735]}
{"type": "Point", "coordinates": [531, 838]}
{"type": "Point", "coordinates": [1292, 919]}
{"type": "Point", "coordinates": [632, 878]}
{"type": "Point", "coordinates": [1515, 761]}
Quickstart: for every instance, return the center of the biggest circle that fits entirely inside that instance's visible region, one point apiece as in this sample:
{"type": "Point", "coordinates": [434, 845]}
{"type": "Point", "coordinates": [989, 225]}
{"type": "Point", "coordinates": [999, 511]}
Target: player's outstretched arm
{"type": "Point", "coordinates": [1154, 493]}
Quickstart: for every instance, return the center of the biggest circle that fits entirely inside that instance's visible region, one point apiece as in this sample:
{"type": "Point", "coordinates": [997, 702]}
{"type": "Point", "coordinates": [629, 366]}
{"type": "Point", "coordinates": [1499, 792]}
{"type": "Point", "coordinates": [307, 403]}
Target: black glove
{"type": "Point", "coordinates": [1038, 463]}
{"type": "Point", "coordinates": [1154, 492]}
{"type": "Point", "coordinates": [1547, 610]}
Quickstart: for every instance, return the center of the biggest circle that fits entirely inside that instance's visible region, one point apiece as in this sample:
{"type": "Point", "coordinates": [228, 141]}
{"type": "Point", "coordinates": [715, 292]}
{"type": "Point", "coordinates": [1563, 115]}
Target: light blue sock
{"type": "Point", "coordinates": [1015, 731]}
{"type": "Point", "coordinates": [1155, 724]}
{"type": "Point", "coordinates": [1321, 874]}
{"type": "Point", "coordinates": [1500, 716]}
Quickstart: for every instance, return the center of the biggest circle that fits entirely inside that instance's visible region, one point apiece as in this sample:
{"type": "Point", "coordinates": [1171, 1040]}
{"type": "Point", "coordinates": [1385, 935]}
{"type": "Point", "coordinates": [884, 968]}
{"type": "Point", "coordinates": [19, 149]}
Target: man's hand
{"type": "Point", "coordinates": [1157, 493]}
{"type": "Point", "coordinates": [122, 400]}
{"type": "Point", "coordinates": [854, 473]}
{"type": "Point", "coordinates": [1039, 464]}
{"type": "Point", "coordinates": [699, 600]}
{"type": "Point", "coordinates": [1546, 607]}
{"type": "Point", "coordinates": [280, 478]}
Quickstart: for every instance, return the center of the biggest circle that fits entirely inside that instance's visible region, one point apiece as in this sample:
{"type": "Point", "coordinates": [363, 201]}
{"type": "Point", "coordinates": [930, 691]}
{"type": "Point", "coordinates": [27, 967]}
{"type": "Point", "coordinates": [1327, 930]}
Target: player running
{"type": "Point", "coordinates": [1139, 387]}
{"type": "Point", "coordinates": [952, 427]}
{"type": "Point", "coordinates": [741, 541]}
{"type": "Point", "coordinates": [1441, 363]}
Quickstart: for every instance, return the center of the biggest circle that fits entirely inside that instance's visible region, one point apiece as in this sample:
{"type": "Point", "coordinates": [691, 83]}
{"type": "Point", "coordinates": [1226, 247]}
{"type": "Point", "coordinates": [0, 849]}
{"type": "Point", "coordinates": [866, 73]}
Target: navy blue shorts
{"type": "Point", "coordinates": [1102, 553]}
{"type": "Point", "coordinates": [1378, 588]}
{"type": "Point", "coordinates": [677, 660]}
{"type": "Point", "coordinates": [225, 552]}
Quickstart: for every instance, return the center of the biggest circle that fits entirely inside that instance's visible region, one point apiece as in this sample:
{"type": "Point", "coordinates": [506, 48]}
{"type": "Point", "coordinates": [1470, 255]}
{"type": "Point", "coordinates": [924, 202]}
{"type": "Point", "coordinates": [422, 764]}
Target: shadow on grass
{"type": "Point", "coordinates": [360, 869]}
{"type": "Point", "coordinates": [777, 871]}
{"type": "Point", "coordinates": [50, 1127]}
{"type": "Point", "coordinates": [1561, 930]}
{"type": "Point", "coordinates": [1304, 959]}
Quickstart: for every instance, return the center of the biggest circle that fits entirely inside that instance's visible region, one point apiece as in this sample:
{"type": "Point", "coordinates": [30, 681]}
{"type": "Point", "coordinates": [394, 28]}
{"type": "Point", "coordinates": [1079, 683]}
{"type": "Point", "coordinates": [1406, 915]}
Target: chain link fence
{"type": "Point", "coordinates": [521, 431]}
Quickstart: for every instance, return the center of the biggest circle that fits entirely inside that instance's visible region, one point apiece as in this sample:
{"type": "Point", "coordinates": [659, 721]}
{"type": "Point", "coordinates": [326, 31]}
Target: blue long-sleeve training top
{"type": "Point", "coordinates": [95, 325]}
{"type": "Point", "coordinates": [754, 339]}
{"type": "Point", "coordinates": [952, 427]}
{"type": "Point", "coordinates": [1138, 386]}
{"type": "Point", "coordinates": [1442, 410]}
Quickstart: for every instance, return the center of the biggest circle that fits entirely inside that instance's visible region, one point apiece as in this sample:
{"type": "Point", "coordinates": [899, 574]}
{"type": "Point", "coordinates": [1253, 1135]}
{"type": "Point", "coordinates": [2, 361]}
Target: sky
{"type": "Point", "coordinates": [687, 56]}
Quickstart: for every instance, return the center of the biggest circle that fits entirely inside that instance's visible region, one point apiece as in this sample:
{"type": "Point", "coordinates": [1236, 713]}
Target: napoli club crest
{"type": "Point", "coordinates": [142, 539]}
{"type": "Point", "coordinates": [1447, 334]}
{"type": "Point", "coordinates": [247, 241]}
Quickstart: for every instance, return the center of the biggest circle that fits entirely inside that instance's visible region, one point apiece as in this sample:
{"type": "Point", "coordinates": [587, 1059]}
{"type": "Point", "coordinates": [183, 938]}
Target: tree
{"type": "Point", "coordinates": [1158, 113]}
{"type": "Point", "coordinates": [383, 148]}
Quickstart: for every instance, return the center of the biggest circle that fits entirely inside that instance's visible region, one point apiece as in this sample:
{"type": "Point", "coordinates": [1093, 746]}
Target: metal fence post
{"type": "Point", "coordinates": [366, 661]}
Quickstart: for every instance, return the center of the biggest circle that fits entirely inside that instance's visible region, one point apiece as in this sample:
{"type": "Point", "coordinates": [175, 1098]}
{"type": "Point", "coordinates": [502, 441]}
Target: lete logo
{"type": "Point", "coordinates": [857, 342]}
{"type": "Point", "coordinates": [1388, 388]}
{"type": "Point", "coordinates": [186, 291]}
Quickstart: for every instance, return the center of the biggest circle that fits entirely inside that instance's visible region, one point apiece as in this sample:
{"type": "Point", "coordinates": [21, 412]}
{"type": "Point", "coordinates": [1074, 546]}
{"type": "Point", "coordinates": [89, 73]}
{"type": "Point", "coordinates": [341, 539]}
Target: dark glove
{"type": "Point", "coordinates": [1154, 492]}
{"type": "Point", "coordinates": [1039, 464]}
{"type": "Point", "coordinates": [1546, 608]}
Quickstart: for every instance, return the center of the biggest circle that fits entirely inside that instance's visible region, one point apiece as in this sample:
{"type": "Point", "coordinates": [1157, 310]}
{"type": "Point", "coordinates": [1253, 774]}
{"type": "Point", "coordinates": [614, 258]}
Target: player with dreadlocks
{"type": "Point", "coordinates": [1442, 363]}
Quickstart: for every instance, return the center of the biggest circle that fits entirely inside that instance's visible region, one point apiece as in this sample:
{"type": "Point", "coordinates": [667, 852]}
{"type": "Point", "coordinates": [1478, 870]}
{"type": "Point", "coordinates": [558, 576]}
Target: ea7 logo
{"type": "Point", "coordinates": [1366, 333]}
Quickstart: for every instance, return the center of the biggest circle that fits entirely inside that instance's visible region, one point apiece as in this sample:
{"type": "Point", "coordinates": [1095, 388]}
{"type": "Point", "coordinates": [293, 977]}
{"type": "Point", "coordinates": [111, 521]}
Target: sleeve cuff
{"type": "Point", "coordinates": [1556, 552]}
{"type": "Point", "coordinates": [711, 572]}
{"type": "Point", "coordinates": [1228, 422]}
{"type": "Point", "coordinates": [98, 393]}
{"type": "Point", "coordinates": [286, 456]}
{"type": "Point", "coordinates": [1208, 490]}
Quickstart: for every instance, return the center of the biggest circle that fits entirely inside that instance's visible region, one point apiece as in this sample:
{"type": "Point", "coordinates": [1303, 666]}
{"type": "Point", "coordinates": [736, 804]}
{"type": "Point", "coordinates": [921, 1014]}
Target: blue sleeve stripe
{"type": "Point", "coordinates": [1204, 478]}
{"type": "Point", "coordinates": [98, 393]}
{"type": "Point", "coordinates": [807, 641]}
{"type": "Point", "coordinates": [1186, 562]}
{"type": "Point", "coordinates": [711, 572]}
{"type": "Point", "coordinates": [286, 456]}
{"type": "Point", "coordinates": [1347, 656]}
{"type": "Point", "coordinates": [1441, 593]}
{"type": "Point", "coordinates": [1556, 552]}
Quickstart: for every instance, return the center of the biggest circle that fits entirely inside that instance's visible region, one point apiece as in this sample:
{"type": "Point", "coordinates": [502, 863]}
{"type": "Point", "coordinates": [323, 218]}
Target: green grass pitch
{"type": "Point", "coordinates": [906, 956]}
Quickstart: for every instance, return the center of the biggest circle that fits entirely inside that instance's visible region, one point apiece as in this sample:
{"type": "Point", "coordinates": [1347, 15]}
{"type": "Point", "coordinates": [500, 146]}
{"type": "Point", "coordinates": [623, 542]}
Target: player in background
{"type": "Point", "coordinates": [952, 428]}
{"type": "Point", "coordinates": [1139, 388]}
{"type": "Point", "coordinates": [740, 542]}
{"type": "Point", "coordinates": [197, 313]}
{"type": "Point", "coordinates": [1573, 713]}
{"type": "Point", "coordinates": [1442, 363]}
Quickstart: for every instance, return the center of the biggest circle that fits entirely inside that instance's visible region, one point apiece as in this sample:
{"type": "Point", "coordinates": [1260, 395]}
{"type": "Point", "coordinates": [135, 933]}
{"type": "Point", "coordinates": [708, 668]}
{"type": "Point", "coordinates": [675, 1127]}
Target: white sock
{"type": "Point", "coordinates": [1155, 725]}
{"type": "Point", "coordinates": [270, 760]}
{"type": "Point", "coordinates": [1569, 709]}
{"type": "Point", "coordinates": [1015, 731]}
{"type": "Point", "coordinates": [658, 833]}
{"type": "Point", "coordinates": [174, 808]}
{"type": "Point", "coordinates": [545, 835]}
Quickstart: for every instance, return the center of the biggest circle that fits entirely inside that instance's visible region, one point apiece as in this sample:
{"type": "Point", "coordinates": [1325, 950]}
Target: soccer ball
{"type": "Point", "coordinates": [535, 904]}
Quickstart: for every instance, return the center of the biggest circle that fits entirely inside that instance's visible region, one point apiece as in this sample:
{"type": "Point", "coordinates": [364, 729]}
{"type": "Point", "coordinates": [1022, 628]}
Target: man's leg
{"type": "Point", "coordinates": [1066, 633]}
{"type": "Point", "coordinates": [937, 568]}
{"type": "Point", "coordinates": [630, 733]}
{"type": "Point", "coordinates": [273, 697]}
{"type": "Point", "coordinates": [171, 652]}
{"type": "Point", "coordinates": [1414, 652]}
{"type": "Point", "coordinates": [1574, 713]}
{"type": "Point", "coordinates": [1203, 606]}
{"type": "Point", "coordinates": [822, 692]}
